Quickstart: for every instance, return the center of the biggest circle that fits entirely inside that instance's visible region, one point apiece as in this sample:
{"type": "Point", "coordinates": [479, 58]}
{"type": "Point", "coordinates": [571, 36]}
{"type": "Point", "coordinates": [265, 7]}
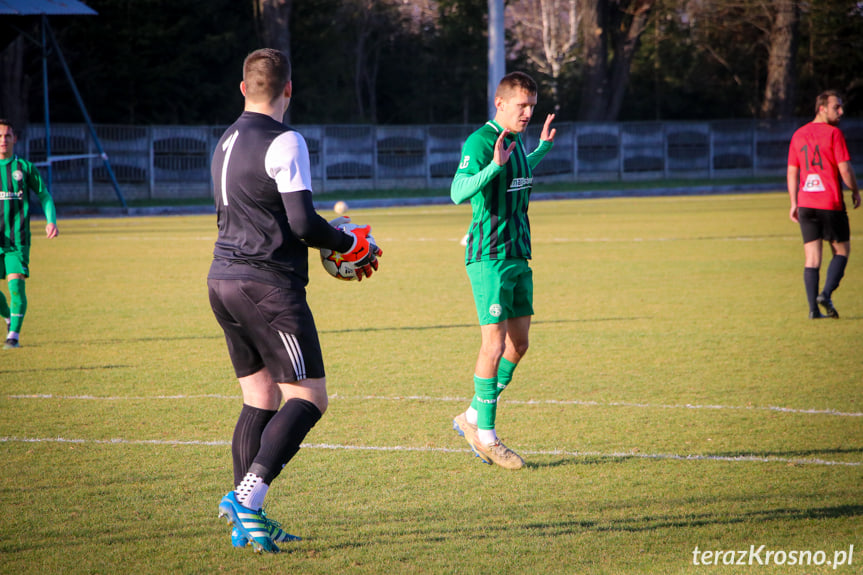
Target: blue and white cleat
{"type": "Point", "coordinates": [237, 539]}
{"type": "Point", "coordinates": [253, 526]}
{"type": "Point", "coordinates": [277, 534]}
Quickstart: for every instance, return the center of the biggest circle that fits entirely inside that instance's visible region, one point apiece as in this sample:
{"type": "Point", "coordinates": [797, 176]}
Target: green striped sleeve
{"type": "Point", "coordinates": [539, 153]}
{"type": "Point", "coordinates": [465, 186]}
{"type": "Point", "coordinates": [37, 184]}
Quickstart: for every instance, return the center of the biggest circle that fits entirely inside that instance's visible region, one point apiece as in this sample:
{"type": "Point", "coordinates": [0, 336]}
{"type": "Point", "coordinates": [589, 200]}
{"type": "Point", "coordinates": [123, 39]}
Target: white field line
{"type": "Point", "coordinates": [337, 397]}
{"type": "Point", "coordinates": [566, 240]}
{"type": "Point", "coordinates": [400, 448]}
{"type": "Point", "coordinates": [559, 240]}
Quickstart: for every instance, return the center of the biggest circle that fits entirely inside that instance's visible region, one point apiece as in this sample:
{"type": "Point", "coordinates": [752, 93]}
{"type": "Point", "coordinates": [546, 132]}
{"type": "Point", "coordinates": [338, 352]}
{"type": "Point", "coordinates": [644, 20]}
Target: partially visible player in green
{"type": "Point", "coordinates": [17, 179]}
{"type": "Point", "coordinates": [496, 175]}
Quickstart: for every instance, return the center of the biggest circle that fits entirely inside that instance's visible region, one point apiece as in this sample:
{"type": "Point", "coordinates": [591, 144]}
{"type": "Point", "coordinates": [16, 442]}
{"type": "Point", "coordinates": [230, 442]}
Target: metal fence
{"type": "Point", "coordinates": [172, 162]}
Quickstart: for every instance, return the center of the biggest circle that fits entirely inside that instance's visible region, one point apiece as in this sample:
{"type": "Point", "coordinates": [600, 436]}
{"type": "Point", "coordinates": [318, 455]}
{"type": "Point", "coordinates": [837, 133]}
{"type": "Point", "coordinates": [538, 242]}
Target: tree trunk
{"type": "Point", "coordinates": [781, 77]}
{"type": "Point", "coordinates": [626, 41]}
{"type": "Point", "coordinates": [558, 40]}
{"type": "Point", "coordinates": [272, 21]}
{"type": "Point", "coordinates": [273, 18]}
{"type": "Point", "coordinates": [621, 22]}
{"type": "Point", "coordinates": [594, 90]}
{"type": "Point", "coordinates": [360, 73]}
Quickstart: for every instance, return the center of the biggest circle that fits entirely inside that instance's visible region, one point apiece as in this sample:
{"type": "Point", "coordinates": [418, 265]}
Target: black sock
{"type": "Point", "coordinates": [282, 437]}
{"type": "Point", "coordinates": [247, 438]}
{"type": "Point", "coordinates": [811, 278]}
{"type": "Point", "coordinates": [835, 272]}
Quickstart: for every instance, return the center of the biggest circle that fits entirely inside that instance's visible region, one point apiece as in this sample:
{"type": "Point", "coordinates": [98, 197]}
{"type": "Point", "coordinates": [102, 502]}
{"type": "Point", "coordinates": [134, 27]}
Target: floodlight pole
{"type": "Point", "coordinates": [102, 154]}
{"type": "Point", "coordinates": [45, 100]}
{"type": "Point", "coordinates": [496, 51]}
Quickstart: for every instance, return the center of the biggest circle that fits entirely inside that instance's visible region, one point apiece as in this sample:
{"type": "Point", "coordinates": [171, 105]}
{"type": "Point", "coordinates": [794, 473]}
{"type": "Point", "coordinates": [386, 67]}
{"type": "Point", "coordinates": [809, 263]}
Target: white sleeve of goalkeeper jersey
{"type": "Point", "coordinates": [287, 162]}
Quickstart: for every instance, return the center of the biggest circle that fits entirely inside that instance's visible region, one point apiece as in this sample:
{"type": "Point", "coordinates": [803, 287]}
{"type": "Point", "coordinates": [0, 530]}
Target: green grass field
{"type": "Point", "coordinates": [675, 396]}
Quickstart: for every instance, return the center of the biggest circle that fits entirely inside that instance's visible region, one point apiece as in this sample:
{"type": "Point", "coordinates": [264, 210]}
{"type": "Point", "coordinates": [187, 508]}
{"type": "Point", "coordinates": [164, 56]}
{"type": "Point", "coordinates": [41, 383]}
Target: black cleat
{"type": "Point", "coordinates": [827, 304]}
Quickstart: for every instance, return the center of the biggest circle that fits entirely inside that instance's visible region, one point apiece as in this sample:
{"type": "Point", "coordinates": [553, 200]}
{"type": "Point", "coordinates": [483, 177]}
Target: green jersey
{"type": "Point", "coordinates": [499, 195]}
{"type": "Point", "coordinates": [17, 179]}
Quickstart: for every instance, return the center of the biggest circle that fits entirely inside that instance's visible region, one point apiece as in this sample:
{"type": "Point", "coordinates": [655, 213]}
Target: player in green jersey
{"type": "Point", "coordinates": [496, 175]}
{"type": "Point", "coordinates": [17, 179]}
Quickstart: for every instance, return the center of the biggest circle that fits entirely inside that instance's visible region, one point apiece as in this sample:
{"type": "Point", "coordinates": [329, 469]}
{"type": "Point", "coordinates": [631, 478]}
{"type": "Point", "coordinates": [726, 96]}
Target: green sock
{"type": "Point", "coordinates": [4, 307]}
{"type": "Point", "coordinates": [18, 297]}
{"type": "Point", "coordinates": [504, 374]}
{"type": "Point", "coordinates": [485, 401]}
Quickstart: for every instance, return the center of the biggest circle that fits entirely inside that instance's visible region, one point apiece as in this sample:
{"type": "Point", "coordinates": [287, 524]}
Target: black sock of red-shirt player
{"type": "Point", "coordinates": [835, 272]}
{"type": "Point", "coordinates": [282, 437]}
{"type": "Point", "coordinates": [811, 277]}
{"type": "Point", "coordinates": [247, 438]}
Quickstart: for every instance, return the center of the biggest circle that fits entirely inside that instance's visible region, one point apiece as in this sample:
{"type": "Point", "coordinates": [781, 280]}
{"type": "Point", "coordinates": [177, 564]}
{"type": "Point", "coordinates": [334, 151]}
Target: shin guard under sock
{"type": "Point", "coordinates": [247, 438]}
{"type": "Point", "coordinates": [505, 369]}
{"type": "Point", "coordinates": [18, 301]}
{"type": "Point", "coordinates": [282, 437]}
{"type": "Point", "coordinates": [4, 307]}
{"type": "Point", "coordinates": [810, 280]}
{"type": "Point", "coordinates": [835, 272]}
{"type": "Point", "coordinates": [485, 401]}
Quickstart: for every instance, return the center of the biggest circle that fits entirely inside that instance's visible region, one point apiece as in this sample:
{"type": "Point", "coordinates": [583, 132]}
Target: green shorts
{"type": "Point", "coordinates": [502, 289]}
{"type": "Point", "coordinates": [15, 260]}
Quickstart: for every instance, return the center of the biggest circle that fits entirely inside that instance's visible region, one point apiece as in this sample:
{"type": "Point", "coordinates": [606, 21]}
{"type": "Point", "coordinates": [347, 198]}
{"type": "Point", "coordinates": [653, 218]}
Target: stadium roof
{"type": "Point", "coordinates": [46, 7]}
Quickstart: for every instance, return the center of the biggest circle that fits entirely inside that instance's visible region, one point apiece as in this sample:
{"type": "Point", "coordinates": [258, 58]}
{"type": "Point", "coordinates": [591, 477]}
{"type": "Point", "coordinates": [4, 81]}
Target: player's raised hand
{"type": "Point", "coordinates": [548, 132]}
{"type": "Point", "coordinates": [501, 152]}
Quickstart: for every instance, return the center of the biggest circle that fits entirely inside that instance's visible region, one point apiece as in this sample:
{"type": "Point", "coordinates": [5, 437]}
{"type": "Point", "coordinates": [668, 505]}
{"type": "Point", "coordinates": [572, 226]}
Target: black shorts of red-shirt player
{"type": "Point", "coordinates": [828, 225]}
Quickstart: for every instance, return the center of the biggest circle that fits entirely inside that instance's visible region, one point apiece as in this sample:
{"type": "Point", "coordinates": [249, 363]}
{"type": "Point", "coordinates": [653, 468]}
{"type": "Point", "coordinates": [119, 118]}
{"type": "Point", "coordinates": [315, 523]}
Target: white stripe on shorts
{"type": "Point", "coordinates": [295, 353]}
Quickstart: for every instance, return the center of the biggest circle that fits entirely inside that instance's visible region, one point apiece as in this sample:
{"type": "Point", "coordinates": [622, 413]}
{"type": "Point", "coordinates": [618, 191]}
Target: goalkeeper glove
{"type": "Point", "coordinates": [364, 253]}
{"type": "Point", "coordinates": [340, 222]}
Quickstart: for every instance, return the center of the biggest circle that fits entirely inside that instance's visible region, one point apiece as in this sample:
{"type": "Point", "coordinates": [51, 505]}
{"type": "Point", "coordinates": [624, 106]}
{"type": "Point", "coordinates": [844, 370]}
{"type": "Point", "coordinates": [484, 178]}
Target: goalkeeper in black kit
{"type": "Point", "coordinates": [257, 282]}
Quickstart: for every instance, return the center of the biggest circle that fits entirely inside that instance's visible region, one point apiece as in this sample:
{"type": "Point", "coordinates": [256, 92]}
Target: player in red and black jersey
{"type": "Point", "coordinates": [257, 281]}
{"type": "Point", "coordinates": [818, 165]}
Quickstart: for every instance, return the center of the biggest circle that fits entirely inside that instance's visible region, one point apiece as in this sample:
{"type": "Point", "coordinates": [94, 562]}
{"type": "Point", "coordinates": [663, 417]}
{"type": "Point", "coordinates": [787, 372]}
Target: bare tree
{"type": "Point", "coordinates": [369, 26]}
{"type": "Point", "coordinates": [272, 21]}
{"type": "Point", "coordinates": [361, 18]}
{"type": "Point", "coordinates": [620, 24]}
{"type": "Point", "coordinates": [779, 92]}
{"type": "Point", "coordinates": [755, 42]}
{"type": "Point", "coordinates": [272, 24]}
{"type": "Point", "coordinates": [547, 32]}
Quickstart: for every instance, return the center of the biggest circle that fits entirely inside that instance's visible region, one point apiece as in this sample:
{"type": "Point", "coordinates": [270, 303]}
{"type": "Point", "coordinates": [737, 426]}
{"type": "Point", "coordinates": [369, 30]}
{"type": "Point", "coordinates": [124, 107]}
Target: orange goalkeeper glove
{"type": "Point", "coordinates": [365, 252]}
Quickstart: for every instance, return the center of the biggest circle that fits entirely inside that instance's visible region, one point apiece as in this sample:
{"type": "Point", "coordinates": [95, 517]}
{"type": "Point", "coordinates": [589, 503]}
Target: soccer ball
{"type": "Point", "coordinates": [336, 264]}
